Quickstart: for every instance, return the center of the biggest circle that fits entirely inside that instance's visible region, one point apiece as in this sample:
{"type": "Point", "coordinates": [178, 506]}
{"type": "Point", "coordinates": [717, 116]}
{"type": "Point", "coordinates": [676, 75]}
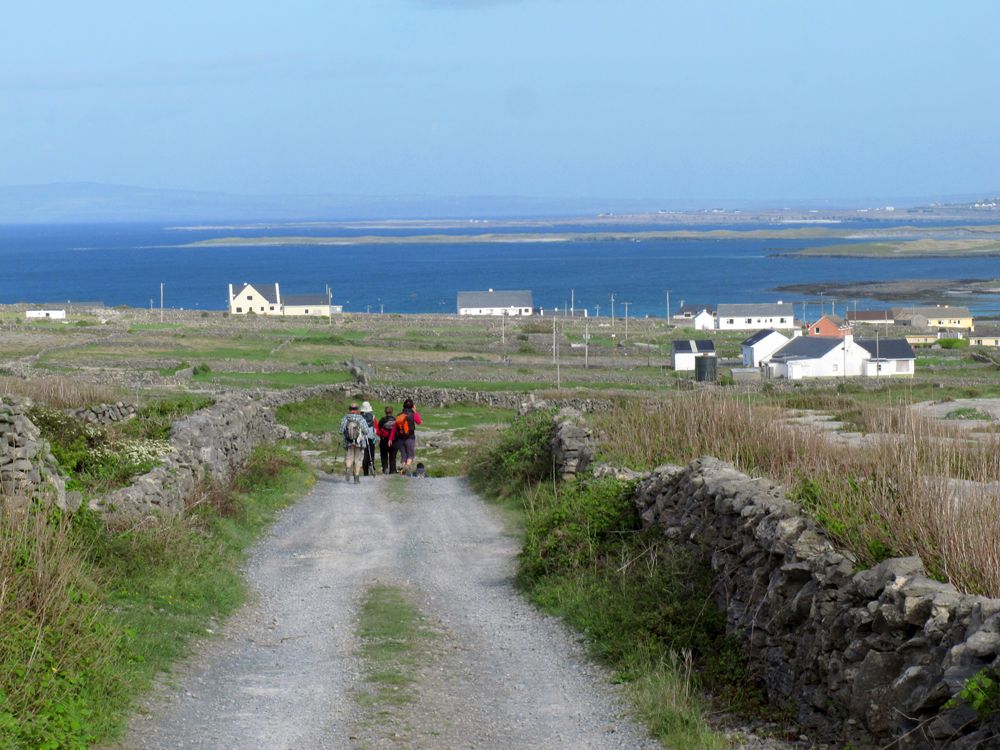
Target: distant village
{"type": "Point", "coordinates": [872, 343]}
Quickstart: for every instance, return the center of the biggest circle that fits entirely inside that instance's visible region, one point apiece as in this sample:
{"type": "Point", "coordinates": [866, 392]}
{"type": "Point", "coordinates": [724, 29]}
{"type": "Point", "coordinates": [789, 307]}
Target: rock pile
{"type": "Point", "coordinates": [874, 656]}
{"type": "Point", "coordinates": [211, 443]}
{"type": "Point", "coordinates": [105, 413]}
{"type": "Point", "coordinates": [28, 471]}
{"type": "Point", "coordinates": [572, 444]}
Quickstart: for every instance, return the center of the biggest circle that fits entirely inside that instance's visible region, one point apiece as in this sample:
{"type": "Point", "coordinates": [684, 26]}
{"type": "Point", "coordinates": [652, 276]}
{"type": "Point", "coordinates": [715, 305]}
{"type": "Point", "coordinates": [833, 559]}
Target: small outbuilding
{"type": "Point", "coordinates": [306, 304]}
{"type": "Point", "coordinates": [761, 345]}
{"type": "Point", "coordinates": [49, 314]}
{"type": "Point", "coordinates": [699, 317]}
{"type": "Point", "coordinates": [686, 351]}
{"type": "Point", "coordinates": [888, 357]}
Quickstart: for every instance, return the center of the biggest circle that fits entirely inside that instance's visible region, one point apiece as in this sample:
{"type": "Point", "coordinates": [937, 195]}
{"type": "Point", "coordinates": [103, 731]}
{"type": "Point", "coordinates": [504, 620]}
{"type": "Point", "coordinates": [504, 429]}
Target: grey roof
{"type": "Point", "coordinates": [760, 336]}
{"type": "Point", "coordinates": [987, 333]}
{"type": "Point", "coordinates": [498, 298]}
{"type": "Point", "coordinates": [304, 299]}
{"type": "Point", "coordinates": [764, 310]}
{"type": "Point", "coordinates": [945, 311]}
{"type": "Point", "coordinates": [267, 291]}
{"type": "Point", "coordinates": [875, 316]}
{"type": "Point", "coordinates": [693, 346]}
{"type": "Point", "coordinates": [695, 310]}
{"type": "Point", "coordinates": [887, 348]}
{"type": "Point", "coordinates": [807, 347]}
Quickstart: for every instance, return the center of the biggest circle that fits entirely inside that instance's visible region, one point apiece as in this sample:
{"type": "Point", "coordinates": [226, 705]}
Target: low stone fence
{"type": "Point", "coordinates": [28, 471]}
{"type": "Point", "coordinates": [105, 413]}
{"type": "Point", "coordinates": [572, 443]}
{"type": "Point", "coordinates": [423, 396]}
{"type": "Point", "coordinates": [211, 443]}
{"type": "Point", "coordinates": [872, 656]}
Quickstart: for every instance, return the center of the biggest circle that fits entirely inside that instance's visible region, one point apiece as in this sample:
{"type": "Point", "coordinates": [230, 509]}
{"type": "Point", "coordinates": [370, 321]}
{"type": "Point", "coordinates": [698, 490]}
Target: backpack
{"type": "Point", "coordinates": [352, 432]}
{"type": "Point", "coordinates": [404, 426]}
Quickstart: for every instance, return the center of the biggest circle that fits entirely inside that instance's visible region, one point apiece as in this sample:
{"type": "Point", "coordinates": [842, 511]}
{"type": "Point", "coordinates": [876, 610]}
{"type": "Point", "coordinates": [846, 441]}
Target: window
{"type": "Point", "coordinates": [816, 329]}
{"type": "Point", "coordinates": [749, 320]}
{"type": "Point", "coordinates": [272, 308]}
{"type": "Point", "coordinates": [307, 311]}
{"type": "Point", "coordinates": [239, 309]}
{"type": "Point", "coordinates": [834, 366]}
{"type": "Point", "coordinates": [730, 321]}
{"type": "Point", "coordinates": [262, 308]}
{"type": "Point", "coordinates": [782, 320]}
{"type": "Point", "coordinates": [249, 298]}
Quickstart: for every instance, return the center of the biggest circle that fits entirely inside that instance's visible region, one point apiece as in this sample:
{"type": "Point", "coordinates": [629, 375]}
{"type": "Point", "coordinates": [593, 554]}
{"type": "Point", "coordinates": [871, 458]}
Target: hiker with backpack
{"type": "Point", "coordinates": [368, 468]}
{"type": "Point", "coordinates": [404, 434]}
{"type": "Point", "coordinates": [387, 452]}
{"type": "Point", "coordinates": [354, 430]}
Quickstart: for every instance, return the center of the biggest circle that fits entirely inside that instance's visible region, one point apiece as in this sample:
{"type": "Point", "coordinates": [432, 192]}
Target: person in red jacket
{"type": "Point", "coordinates": [404, 434]}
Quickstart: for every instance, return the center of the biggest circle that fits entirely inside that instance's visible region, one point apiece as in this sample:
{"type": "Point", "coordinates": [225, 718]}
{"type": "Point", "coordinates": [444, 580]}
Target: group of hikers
{"type": "Point", "coordinates": [395, 435]}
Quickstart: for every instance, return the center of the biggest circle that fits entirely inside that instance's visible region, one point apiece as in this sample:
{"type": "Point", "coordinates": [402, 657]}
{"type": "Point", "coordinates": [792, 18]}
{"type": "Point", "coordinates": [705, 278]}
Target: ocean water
{"type": "Point", "coordinates": [124, 264]}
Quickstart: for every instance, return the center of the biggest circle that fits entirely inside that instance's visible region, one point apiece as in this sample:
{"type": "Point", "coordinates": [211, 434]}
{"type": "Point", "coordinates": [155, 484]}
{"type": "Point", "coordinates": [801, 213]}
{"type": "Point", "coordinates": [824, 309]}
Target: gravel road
{"type": "Point", "coordinates": [285, 670]}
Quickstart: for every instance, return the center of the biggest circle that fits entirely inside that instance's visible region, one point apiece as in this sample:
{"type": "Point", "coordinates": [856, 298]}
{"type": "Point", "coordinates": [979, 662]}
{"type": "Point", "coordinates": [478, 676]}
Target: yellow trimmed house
{"type": "Point", "coordinates": [938, 317]}
{"type": "Point", "coordinates": [267, 299]}
{"type": "Point", "coordinates": [260, 299]}
{"type": "Point", "coordinates": [985, 338]}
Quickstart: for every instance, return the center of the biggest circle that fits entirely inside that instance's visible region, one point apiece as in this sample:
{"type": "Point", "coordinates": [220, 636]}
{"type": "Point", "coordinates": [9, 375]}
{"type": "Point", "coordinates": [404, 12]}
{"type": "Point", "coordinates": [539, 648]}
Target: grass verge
{"type": "Point", "coordinates": [644, 605]}
{"type": "Point", "coordinates": [90, 614]}
{"type": "Point", "coordinates": [396, 640]}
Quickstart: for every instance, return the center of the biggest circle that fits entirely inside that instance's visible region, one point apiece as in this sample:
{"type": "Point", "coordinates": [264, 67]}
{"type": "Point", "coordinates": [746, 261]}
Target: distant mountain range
{"type": "Point", "coordinates": [89, 202]}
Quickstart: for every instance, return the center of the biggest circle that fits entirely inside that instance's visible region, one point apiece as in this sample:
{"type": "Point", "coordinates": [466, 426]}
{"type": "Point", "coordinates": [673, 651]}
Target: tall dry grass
{"type": "Point", "coordinates": [59, 392]}
{"type": "Point", "coordinates": [919, 489]}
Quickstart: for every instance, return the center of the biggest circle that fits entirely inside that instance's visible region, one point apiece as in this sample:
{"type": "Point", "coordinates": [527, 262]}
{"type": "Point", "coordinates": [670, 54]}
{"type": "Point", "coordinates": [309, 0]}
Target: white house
{"type": "Point", "coordinates": [888, 357]}
{"type": "Point", "coordinates": [698, 317]}
{"type": "Point", "coordinates": [308, 304]}
{"type": "Point", "coordinates": [685, 352]}
{"type": "Point", "coordinates": [761, 345]}
{"type": "Point", "coordinates": [511, 302]}
{"type": "Point", "coordinates": [829, 356]}
{"type": "Point", "coordinates": [747, 317]}
{"type": "Point", "coordinates": [50, 314]}
{"type": "Point", "coordinates": [261, 299]}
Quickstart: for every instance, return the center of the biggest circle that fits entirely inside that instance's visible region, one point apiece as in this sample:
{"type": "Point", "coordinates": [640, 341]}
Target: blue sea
{"type": "Point", "coordinates": [124, 264]}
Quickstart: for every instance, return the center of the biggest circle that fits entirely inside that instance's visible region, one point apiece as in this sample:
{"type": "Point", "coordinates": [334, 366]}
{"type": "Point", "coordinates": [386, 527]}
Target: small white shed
{"type": "Point", "coordinates": [43, 314]}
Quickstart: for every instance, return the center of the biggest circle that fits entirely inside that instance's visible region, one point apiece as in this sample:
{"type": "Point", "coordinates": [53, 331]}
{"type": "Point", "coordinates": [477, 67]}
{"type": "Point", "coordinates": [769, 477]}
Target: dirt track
{"type": "Point", "coordinates": [285, 671]}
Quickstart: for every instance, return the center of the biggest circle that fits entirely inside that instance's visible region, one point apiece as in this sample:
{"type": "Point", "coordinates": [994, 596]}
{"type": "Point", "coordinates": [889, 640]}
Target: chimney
{"type": "Point", "coordinates": [848, 338]}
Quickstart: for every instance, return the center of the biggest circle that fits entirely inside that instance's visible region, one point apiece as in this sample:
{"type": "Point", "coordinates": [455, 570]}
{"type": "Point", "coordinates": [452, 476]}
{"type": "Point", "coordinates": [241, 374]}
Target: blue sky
{"type": "Point", "coordinates": [555, 98]}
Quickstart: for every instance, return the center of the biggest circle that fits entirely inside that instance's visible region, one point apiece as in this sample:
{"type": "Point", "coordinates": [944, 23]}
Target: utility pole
{"type": "Point", "coordinates": [612, 311]}
{"type": "Point", "coordinates": [329, 305]}
{"type": "Point", "coordinates": [161, 301]}
{"type": "Point", "coordinates": [668, 305]}
{"type": "Point", "coordinates": [598, 308]}
{"type": "Point", "coordinates": [586, 345]}
{"type": "Point", "coordinates": [572, 303]}
{"type": "Point", "coordinates": [554, 359]}
{"type": "Point", "coordinates": [503, 334]}
{"type": "Point", "coordinates": [368, 308]}
{"type": "Point", "coordinates": [626, 318]}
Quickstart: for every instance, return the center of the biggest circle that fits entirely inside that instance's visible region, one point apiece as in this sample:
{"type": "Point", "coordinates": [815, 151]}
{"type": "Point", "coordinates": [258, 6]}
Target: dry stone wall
{"type": "Point", "coordinates": [872, 656]}
{"type": "Point", "coordinates": [211, 443]}
{"type": "Point", "coordinates": [104, 414]}
{"type": "Point", "coordinates": [28, 471]}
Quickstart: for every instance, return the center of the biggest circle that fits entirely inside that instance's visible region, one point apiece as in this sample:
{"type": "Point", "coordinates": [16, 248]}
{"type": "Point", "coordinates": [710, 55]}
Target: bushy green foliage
{"type": "Point", "coordinates": [953, 343]}
{"type": "Point", "coordinates": [982, 692]}
{"type": "Point", "coordinates": [515, 458]}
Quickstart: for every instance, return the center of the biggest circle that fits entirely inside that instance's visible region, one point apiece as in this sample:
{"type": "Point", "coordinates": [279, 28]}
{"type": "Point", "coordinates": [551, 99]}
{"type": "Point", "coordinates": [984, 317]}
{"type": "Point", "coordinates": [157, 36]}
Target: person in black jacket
{"type": "Point", "coordinates": [387, 452]}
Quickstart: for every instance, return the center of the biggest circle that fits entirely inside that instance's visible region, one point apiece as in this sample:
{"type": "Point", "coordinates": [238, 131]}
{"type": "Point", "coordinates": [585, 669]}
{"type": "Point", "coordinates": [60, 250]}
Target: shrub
{"type": "Point", "coordinates": [514, 459]}
{"type": "Point", "coordinates": [953, 343]}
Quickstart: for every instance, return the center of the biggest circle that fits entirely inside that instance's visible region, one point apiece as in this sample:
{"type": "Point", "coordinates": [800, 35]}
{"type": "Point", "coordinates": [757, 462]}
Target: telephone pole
{"type": "Point", "coordinates": [161, 302]}
{"type": "Point", "coordinates": [612, 311]}
{"type": "Point", "coordinates": [626, 318]}
{"type": "Point", "coordinates": [668, 304]}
